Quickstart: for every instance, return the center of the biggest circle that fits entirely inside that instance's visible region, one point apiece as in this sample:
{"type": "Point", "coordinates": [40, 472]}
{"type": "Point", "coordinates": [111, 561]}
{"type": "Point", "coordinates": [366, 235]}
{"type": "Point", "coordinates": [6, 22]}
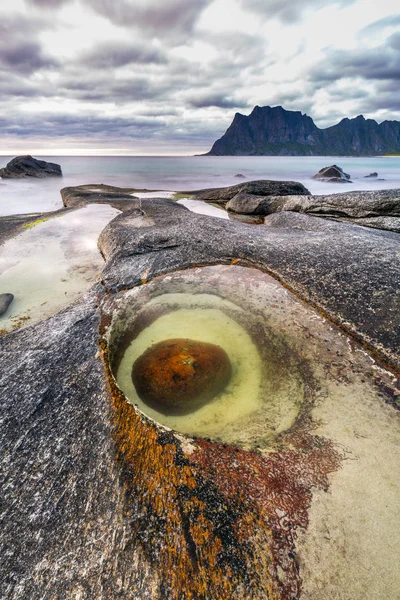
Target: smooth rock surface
{"type": "Point", "coordinates": [335, 269]}
{"type": "Point", "coordinates": [262, 187]}
{"type": "Point", "coordinates": [181, 374]}
{"type": "Point", "coordinates": [5, 301]}
{"type": "Point", "coordinates": [380, 209]}
{"type": "Point", "coordinates": [101, 503]}
{"type": "Point", "coordinates": [250, 204]}
{"type": "Point", "coordinates": [119, 198]}
{"type": "Point", "coordinates": [27, 166]}
{"type": "Point", "coordinates": [356, 205]}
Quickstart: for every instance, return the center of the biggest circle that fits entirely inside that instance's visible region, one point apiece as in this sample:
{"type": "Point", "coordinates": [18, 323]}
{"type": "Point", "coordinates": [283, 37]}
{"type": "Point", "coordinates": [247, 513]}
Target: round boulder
{"type": "Point", "coordinates": [181, 374]}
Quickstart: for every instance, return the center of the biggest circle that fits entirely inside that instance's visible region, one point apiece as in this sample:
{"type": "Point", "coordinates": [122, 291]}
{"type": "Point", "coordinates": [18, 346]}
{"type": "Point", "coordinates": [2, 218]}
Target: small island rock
{"type": "Point", "coordinates": [5, 301]}
{"type": "Point", "coordinates": [374, 174]}
{"type": "Point", "coordinates": [27, 166]}
{"type": "Point", "coordinates": [333, 174]}
{"type": "Point", "coordinates": [180, 374]}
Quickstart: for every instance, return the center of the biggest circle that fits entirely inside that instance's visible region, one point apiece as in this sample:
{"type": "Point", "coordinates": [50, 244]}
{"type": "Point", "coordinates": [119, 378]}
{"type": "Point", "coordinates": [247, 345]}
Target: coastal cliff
{"type": "Point", "coordinates": [270, 131]}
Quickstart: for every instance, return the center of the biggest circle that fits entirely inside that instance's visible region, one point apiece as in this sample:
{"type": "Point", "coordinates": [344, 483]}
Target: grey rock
{"type": "Point", "coordinates": [27, 166]}
{"type": "Point", "coordinates": [330, 269]}
{"type": "Point", "coordinates": [5, 301]}
{"type": "Point", "coordinates": [385, 223]}
{"type": "Point", "coordinates": [73, 523]}
{"type": "Point", "coordinates": [374, 174]}
{"type": "Point", "coordinates": [11, 225]}
{"type": "Point", "coordinates": [332, 174]}
{"type": "Point", "coordinates": [379, 210]}
{"type": "Point", "coordinates": [250, 204]}
{"type": "Point", "coordinates": [64, 472]}
{"type": "Point", "coordinates": [355, 205]}
{"type": "Point", "coordinates": [79, 196]}
{"type": "Point", "coordinates": [240, 176]}
{"type": "Point", "coordinates": [261, 187]}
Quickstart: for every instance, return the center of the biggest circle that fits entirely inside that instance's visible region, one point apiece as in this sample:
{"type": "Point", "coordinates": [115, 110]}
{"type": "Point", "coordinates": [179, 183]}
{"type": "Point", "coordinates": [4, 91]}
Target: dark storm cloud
{"type": "Point", "coordinates": [205, 100]}
{"type": "Point", "coordinates": [172, 17]}
{"type": "Point", "coordinates": [80, 84]}
{"type": "Point", "coordinates": [78, 126]}
{"type": "Point", "coordinates": [119, 54]}
{"type": "Point", "coordinates": [394, 41]}
{"type": "Point", "coordinates": [14, 86]}
{"type": "Point", "coordinates": [19, 26]}
{"type": "Point", "coordinates": [48, 3]}
{"type": "Point", "coordinates": [24, 57]}
{"type": "Point", "coordinates": [20, 52]}
{"type": "Point", "coordinates": [289, 11]}
{"type": "Point", "coordinates": [369, 63]}
{"type": "Point", "coordinates": [386, 96]}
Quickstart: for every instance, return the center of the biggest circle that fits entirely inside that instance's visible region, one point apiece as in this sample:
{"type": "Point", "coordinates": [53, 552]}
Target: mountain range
{"type": "Point", "coordinates": [274, 131]}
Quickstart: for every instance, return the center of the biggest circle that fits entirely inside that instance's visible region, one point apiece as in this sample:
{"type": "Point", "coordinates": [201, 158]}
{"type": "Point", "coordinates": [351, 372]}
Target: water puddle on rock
{"type": "Point", "coordinates": [196, 206]}
{"type": "Point", "coordinates": [297, 383]}
{"type": "Point", "coordinates": [268, 382]}
{"type": "Point", "coordinates": [51, 264]}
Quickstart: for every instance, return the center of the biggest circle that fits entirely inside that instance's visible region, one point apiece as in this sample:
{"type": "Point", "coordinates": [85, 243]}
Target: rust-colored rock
{"type": "Point", "coordinates": [180, 374]}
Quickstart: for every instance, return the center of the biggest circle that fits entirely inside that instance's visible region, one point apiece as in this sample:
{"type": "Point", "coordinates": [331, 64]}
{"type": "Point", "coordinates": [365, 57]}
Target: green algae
{"type": "Point", "coordinates": [34, 223]}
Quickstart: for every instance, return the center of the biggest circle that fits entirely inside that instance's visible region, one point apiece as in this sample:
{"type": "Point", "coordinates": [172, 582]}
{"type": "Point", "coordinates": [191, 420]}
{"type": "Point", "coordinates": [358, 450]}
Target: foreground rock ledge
{"type": "Point", "coordinates": [99, 502]}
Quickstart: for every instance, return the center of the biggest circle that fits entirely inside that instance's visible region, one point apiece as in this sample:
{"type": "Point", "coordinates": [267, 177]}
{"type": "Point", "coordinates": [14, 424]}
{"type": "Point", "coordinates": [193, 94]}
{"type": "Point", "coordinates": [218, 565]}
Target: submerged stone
{"type": "Point", "coordinates": [181, 374]}
{"type": "Point", "coordinates": [5, 301]}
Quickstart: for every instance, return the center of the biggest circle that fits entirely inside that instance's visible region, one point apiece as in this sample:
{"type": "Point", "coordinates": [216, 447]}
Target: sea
{"type": "Point", "coordinates": [185, 173]}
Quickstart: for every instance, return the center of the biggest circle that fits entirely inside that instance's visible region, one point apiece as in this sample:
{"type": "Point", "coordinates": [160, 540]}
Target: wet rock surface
{"type": "Point", "coordinates": [77, 197]}
{"type": "Point", "coordinates": [380, 209]}
{"type": "Point", "coordinates": [27, 166]}
{"type": "Point", "coordinates": [335, 268]}
{"type": "Point", "coordinates": [181, 374]}
{"type": "Point", "coordinates": [258, 188]}
{"type": "Point", "coordinates": [12, 225]}
{"type": "Point", "coordinates": [250, 204]}
{"type": "Point", "coordinates": [5, 301]}
{"type": "Point", "coordinates": [100, 502]}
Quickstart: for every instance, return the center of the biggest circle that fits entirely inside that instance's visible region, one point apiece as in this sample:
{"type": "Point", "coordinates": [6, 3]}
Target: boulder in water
{"type": "Point", "coordinates": [180, 374]}
{"type": "Point", "coordinates": [333, 174]}
{"type": "Point", "coordinates": [27, 166]}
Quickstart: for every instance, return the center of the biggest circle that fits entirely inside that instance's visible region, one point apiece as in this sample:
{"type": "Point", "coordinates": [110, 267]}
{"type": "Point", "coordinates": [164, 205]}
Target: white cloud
{"type": "Point", "coordinates": [90, 71]}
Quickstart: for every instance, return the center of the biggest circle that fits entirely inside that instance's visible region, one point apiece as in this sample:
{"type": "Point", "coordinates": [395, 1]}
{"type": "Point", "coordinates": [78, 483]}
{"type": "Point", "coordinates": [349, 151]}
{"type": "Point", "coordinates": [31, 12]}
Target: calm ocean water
{"type": "Point", "coordinates": [187, 173]}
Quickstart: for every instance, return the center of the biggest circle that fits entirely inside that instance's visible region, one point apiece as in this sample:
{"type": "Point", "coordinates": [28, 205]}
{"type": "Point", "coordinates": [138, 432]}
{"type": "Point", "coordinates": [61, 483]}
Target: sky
{"type": "Point", "coordinates": [160, 77]}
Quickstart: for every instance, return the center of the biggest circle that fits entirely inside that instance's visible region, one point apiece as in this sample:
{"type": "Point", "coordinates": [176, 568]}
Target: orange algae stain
{"type": "Point", "coordinates": [180, 373]}
{"type": "Point", "coordinates": [274, 492]}
{"type": "Point", "coordinates": [219, 523]}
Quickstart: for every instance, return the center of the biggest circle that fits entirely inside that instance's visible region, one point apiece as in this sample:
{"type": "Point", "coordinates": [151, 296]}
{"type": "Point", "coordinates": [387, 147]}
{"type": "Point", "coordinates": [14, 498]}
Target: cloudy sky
{"type": "Point", "coordinates": [167, 76]}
